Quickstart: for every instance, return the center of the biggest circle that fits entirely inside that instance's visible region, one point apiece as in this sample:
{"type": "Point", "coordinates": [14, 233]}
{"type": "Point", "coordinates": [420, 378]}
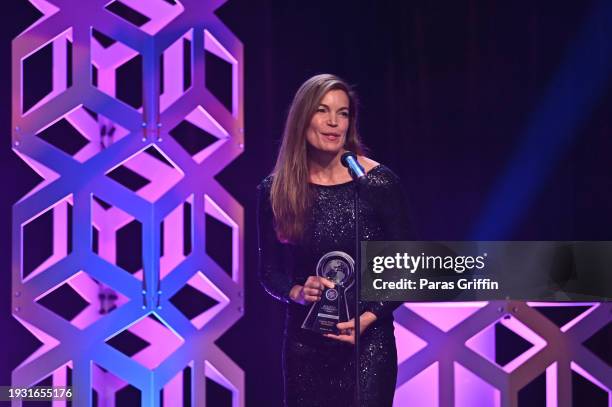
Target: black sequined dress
{"type": "Point", "coordinates": [319, 371]}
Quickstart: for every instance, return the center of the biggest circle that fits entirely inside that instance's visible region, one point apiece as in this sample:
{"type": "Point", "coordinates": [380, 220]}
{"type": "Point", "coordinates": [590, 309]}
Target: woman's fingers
{"type": "Point", "coordinates": [312, 291]}
{"type": "Point", "coordinates": [312, 297]}
{"type": "Point", "coordinates": [312, 294]}
{"type": "Point", "coordinates": [346, 328]}
{"type": "Point", "coordinates": [342, 338]}
{"type": "Point", "coordinates": [314, 286]}
{"type": "Point", "coordinates": [326, 283]}
{"type": "Point", "coordinates": [318, 282]}
{"type": "Point", "coordinates": [313, 282]}
{"type": "Point", "coordinates": [346, 325]}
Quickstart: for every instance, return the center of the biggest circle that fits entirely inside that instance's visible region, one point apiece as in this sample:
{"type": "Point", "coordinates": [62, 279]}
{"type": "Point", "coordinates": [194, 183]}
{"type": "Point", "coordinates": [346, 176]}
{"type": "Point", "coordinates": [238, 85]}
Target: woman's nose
{"type": "Point", "coordinates": [331, 120]}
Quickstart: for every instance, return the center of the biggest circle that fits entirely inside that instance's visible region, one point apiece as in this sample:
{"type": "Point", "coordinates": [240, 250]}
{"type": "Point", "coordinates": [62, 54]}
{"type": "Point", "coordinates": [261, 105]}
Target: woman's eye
{"type": "Point", "coordinates": [321, 110]}
{"type": "Point", "coordinates": [344, 114]}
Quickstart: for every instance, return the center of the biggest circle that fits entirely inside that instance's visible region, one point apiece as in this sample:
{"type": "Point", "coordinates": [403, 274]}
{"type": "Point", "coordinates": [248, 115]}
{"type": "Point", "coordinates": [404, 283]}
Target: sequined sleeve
{"type": "Point", "coordinates": [272, 275]}
{"type": "Point", "coordinates": [392, 203]}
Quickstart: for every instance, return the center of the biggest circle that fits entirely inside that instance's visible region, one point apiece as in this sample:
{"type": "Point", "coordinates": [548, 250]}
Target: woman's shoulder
{"type": "Point", "coordinates": [381, 175]}
{"type": "Point", "coordinates": [367, 163]}
{"type": "Point", "coordinates": [378, 174]}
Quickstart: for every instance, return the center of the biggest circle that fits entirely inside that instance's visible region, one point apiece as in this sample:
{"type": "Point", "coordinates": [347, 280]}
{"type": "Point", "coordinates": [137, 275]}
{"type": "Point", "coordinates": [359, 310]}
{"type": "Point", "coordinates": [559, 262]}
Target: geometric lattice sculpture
{"type": "Point", "coordinates": [447, 355]}
{"type": "Point", "coordinates": [144, 108]}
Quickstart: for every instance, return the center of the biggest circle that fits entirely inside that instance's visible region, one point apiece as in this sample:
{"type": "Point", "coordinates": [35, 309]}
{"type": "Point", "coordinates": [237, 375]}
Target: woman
{"type": "Point", "coordinates": [305, 211]}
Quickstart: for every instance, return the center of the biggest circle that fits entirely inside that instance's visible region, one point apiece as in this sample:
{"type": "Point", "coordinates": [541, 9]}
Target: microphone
{"type": "Point", "coordinates": [349, 160]}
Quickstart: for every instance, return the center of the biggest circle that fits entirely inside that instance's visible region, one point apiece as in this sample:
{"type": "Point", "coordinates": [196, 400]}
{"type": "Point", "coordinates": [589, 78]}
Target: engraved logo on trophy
{"type": "Point", "coordinates": [331, 294]}
{"type": "Point", "coordinates": [333, 308]}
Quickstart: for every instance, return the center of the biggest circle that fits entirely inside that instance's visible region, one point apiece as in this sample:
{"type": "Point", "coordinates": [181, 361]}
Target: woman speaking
{"type": "Point", "coordinates": [306, 230]}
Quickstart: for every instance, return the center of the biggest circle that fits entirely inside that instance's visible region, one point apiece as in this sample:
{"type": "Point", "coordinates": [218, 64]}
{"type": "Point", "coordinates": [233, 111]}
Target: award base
{"type": "Point", "coordinates": [326, 313]}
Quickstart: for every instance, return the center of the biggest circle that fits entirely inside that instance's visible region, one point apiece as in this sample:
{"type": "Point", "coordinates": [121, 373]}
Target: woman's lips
{"type": "Point", "coordinates": [331, 136]}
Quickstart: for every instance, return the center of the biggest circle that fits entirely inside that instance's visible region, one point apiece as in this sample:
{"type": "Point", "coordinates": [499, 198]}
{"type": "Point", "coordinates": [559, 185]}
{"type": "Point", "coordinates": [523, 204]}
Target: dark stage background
{"type": "Point", "coordinates": [496, 115]}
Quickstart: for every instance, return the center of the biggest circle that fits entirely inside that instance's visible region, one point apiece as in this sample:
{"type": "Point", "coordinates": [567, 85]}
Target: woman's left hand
{"type": "Point", "coordinates": [347, 329]}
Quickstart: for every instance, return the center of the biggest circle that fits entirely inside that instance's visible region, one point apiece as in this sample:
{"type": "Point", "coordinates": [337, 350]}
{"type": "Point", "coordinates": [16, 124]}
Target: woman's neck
{"type": "Point", "coordinates": [325, 168]}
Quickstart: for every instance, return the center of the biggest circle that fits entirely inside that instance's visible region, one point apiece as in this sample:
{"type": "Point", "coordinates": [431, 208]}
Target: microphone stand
{"type": "Point", "coordinates": [358, 183]}
{"type": "Point", "coordinates": [349, 160]}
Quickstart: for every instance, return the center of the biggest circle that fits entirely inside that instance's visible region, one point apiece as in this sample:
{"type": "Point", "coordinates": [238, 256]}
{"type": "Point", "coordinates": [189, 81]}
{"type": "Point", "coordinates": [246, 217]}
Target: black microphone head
{"type": "Point", "coordinates": [345, 156]}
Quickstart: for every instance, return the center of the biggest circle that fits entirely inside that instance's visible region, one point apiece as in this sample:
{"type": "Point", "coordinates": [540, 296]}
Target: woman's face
{"type": "Point", "coordinates": [328, 126]}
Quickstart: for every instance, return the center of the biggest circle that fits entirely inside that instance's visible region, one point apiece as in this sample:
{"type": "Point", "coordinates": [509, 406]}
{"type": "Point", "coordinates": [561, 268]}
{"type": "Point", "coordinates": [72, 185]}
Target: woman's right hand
{"type": "Point", "coordinates": [311, 290]}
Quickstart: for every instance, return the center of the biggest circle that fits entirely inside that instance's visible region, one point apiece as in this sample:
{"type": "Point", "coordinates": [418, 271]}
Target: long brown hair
{"type": "Point", "coordinates": [290, 193]}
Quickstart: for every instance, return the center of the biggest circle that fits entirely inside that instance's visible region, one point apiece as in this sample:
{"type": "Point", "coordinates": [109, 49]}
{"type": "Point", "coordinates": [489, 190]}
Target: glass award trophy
{"type": "Point", "coordinates": [333, 308]}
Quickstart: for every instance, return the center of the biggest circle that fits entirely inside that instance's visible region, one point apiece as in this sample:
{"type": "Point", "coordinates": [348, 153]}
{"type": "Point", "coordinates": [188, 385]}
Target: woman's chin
{"type": "Point", "coordinates": [327, 149]}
